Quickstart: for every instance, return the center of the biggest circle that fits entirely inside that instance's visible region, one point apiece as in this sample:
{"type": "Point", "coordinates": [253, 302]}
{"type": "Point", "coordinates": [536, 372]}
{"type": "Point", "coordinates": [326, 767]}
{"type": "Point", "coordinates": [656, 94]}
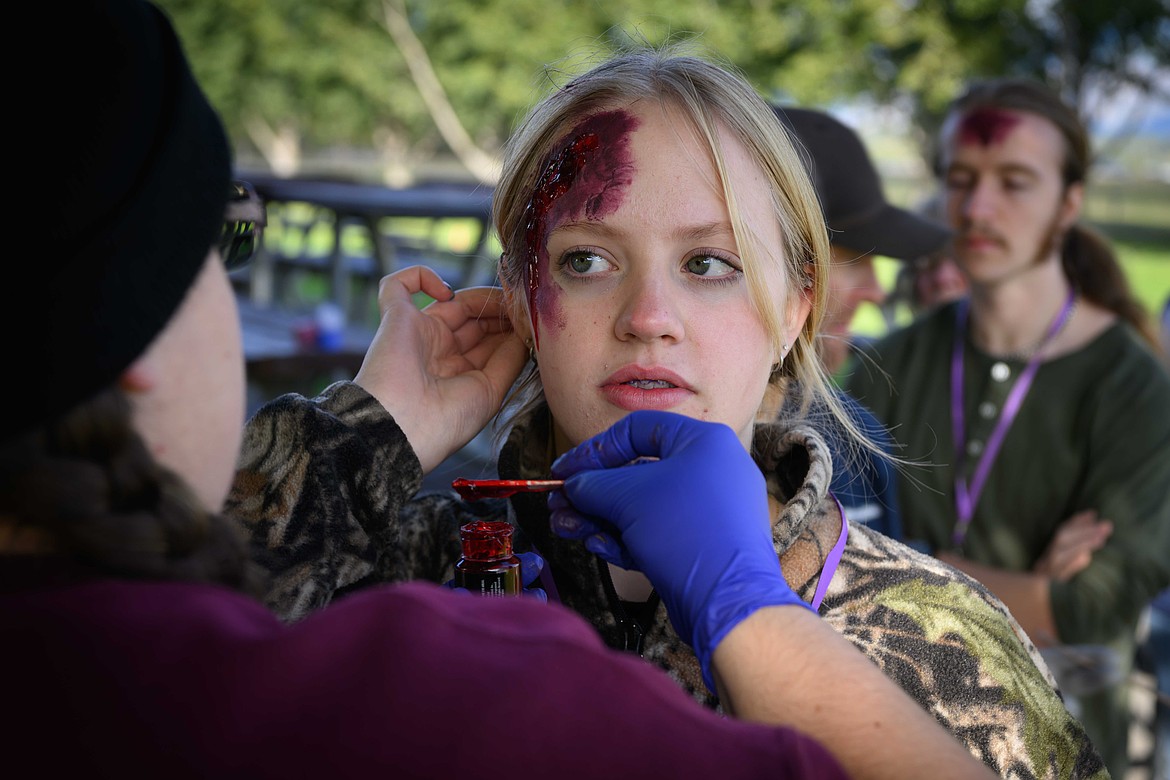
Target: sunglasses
{"type": "Point", "coordinates": [243, 224]}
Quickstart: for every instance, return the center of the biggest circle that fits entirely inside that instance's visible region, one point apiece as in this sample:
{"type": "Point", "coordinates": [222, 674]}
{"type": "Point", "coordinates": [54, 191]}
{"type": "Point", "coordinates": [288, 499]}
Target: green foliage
{"type": "Point", "coordinates": [329, 72]}
{"type": "Point", "coordinates": [489, 55]}
{"type": "Point", "coordinates": [324, 69]}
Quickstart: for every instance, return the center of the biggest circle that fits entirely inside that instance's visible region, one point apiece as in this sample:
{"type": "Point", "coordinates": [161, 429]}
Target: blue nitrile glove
{"type": "Point", "coordinates": [696, 522]}
{"type": "Point", "coordinates": [531, 564]}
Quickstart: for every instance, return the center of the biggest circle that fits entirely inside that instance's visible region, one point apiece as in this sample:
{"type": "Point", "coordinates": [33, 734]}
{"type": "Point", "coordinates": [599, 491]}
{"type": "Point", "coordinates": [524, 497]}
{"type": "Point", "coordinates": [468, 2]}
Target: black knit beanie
{"type": "Point", "coordinates": [137, 167]}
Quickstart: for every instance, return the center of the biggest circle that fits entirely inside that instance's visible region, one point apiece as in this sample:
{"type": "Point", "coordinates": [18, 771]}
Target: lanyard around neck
{"type": "Point", "coordinates": [831, 560]}
{"type": "Point", "coordinates": [967, 494]}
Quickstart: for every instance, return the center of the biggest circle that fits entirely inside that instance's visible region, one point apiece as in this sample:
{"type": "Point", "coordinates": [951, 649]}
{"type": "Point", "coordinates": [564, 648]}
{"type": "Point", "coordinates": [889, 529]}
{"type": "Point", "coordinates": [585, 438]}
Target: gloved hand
{"type": "Point", "coordinates": [696, 521]}
{"type": "Point", "coordinates": [531, 564]}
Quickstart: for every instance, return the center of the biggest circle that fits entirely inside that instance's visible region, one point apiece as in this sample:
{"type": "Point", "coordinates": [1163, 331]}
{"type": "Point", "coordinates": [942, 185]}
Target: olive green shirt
{"type": "Point", "coordinates": [1093, 432]}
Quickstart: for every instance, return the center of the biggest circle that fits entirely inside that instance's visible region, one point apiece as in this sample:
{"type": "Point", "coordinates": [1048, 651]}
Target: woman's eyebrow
{"type": "Point", "coordinates": [699, 232]}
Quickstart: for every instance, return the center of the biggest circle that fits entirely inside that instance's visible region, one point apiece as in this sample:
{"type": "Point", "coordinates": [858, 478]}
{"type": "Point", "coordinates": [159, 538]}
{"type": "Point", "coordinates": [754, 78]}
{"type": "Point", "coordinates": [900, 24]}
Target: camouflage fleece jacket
{"type": "Point", "coordinates": [325, 489]}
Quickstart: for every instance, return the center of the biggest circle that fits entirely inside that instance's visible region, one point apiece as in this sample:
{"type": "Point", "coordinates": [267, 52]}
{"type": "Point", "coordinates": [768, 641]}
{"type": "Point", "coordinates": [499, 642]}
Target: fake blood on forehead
{"type": "Point", "coordinates": [585, 175]}
{"type": "Point", "coordinates": [986, 126]}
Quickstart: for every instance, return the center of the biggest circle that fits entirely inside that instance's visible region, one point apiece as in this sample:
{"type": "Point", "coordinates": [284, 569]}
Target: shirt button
{"type": "Point", "coordinates": [987, 410]}
{"type": "Point", "coordinates": [974, 447]}
{"type": "Point", "coordinates": [1000, 372]}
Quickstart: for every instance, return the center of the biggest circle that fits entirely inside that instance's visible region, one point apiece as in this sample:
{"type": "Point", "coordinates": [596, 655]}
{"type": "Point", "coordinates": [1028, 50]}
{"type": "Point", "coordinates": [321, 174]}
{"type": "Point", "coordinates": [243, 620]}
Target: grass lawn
{"type": "Point", "coordinates": [1148, 269]}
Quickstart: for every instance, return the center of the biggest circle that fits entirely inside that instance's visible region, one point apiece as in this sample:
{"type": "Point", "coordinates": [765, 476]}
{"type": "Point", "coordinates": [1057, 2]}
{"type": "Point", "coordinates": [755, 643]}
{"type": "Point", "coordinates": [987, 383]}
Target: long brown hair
{"type": "Point", "coordinates": [1088, 259]}
{"type": "Point", "coordinates": [87, 485]}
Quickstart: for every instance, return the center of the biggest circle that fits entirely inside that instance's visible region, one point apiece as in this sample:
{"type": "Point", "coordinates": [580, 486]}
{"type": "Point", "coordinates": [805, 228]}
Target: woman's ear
{"type": "Point", "coordinates": [799, 307]}
{"type": "Point", "coordinates": [521, 324]}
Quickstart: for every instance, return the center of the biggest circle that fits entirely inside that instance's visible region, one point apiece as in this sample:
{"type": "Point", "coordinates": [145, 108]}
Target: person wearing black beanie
{"type": "Point", "coordinates": [129, 622]}
{"type": "Point", "coordinates": [138, 195]}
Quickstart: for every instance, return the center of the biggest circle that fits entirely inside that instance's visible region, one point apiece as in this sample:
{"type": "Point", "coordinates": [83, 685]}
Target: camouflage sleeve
{"type": "Point", "coordinates": [322, 488]}
{"type": "Point", "coordinates": [956, 649]}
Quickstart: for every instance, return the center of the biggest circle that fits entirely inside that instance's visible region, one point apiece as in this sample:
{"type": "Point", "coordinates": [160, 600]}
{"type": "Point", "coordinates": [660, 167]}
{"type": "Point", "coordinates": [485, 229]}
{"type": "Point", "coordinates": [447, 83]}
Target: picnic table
{"type": "Point", "coordinates": [279, 359]}
{"type": "Point", "coordinates": [369, 208]}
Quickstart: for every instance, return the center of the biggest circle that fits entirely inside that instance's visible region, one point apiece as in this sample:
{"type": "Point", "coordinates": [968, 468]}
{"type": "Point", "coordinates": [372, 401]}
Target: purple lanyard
{"type": "Point", "coordinates": [831, 560]}
{"type": "Point", "coordinates": [967, 495]}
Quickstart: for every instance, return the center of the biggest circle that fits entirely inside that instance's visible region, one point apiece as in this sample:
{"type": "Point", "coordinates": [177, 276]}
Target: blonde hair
{"type": "Point", "coordinates": [710, 97]}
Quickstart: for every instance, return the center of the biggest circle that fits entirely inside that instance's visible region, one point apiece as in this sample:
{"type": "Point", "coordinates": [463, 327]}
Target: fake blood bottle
{"type": "Point", "coordinates": [488, 566]}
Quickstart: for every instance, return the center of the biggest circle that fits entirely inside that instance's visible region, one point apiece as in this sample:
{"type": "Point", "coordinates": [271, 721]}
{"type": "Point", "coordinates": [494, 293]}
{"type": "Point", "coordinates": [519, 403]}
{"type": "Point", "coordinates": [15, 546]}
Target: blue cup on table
{"type": "Point", "coordinates": [330, 321]}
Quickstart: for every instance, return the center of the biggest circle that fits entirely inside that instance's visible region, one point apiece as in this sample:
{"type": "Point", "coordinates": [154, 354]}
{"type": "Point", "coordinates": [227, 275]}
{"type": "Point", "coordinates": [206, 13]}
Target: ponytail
{"type": "Point", "coordinates": [1092, 267]}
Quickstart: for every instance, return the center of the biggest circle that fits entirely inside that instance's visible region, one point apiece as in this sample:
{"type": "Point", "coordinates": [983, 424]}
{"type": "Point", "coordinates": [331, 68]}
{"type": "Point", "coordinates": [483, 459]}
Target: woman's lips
{"type": "Point", "coordinates": [635, 387]}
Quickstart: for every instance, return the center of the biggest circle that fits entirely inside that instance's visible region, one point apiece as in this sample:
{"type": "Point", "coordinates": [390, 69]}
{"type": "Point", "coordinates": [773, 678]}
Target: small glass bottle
{"type": "Point", "coordinates": [488, 566]}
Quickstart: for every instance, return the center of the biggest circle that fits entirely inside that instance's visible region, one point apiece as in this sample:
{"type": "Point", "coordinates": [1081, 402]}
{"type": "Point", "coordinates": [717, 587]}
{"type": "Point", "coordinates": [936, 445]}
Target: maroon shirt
{"type": "Point", "coordinates": [153, 679]}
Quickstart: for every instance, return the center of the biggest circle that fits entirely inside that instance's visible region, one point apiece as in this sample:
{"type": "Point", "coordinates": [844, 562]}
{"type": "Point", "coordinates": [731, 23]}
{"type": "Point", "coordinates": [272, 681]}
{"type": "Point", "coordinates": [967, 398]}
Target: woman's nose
{"type": "Point", "coordinates": [650, 309]}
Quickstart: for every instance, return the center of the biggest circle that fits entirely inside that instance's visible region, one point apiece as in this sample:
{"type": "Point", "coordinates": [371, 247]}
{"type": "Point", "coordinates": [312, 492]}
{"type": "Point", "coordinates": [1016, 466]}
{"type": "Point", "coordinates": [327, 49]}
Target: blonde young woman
{"type": "Point", "coordinates": [664, 258]}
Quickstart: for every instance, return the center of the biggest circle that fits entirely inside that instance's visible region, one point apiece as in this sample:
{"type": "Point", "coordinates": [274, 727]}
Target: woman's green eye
{"type": "Point", "coordinates": [708, 265]}
{"type": "Point", "coordinates": [585, 262]}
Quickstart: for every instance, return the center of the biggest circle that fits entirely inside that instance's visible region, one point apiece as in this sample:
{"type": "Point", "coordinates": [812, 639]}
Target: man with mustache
{"type": "Point", "coordinates": [1037, 400]}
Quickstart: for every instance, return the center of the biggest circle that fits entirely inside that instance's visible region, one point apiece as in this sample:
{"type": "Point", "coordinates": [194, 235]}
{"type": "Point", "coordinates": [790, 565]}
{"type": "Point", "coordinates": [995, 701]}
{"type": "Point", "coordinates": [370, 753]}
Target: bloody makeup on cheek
{"type": "Point", "coordinates": [585, 176]}
{"type": "Point", "coordinates": [986, 126]}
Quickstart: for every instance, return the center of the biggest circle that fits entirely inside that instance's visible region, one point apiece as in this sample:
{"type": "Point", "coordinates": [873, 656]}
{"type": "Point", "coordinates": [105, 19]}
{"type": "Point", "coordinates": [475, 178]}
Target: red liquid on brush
{"type": "Point", "coordinates": [475, 489]}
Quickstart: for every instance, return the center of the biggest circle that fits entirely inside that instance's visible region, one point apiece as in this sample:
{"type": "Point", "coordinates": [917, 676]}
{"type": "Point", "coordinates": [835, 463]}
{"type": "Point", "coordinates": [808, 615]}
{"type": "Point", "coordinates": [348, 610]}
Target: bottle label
{"type": "Point", "coordinates": [502, 582]}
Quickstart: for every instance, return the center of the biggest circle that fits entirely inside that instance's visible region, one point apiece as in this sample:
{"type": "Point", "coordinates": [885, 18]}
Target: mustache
{"type": "Point", "coordinates": [981, 232]}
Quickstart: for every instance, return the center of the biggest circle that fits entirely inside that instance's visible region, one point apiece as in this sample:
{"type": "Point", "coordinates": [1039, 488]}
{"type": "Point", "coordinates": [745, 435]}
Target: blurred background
{"type": "Point", "coordinates": [402, 92]}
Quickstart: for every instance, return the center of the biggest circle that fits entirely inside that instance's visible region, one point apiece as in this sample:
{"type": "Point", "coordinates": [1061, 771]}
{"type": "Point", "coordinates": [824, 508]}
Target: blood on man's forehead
{"type": "Point", "coordinates": [986, 126]}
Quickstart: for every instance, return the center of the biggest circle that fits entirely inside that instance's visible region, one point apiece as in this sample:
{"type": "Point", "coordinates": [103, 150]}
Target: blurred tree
{"type": "Point", "coordinates": [477, 63]}
{"type": "Point", "coordinates": [415, 79]}
{"type": "Point", "coordinates": [291, 76]}
{"type": "Point", "coordinates": [1097, 49]}
{"type": "Point", "coordinates": [1087, 51]}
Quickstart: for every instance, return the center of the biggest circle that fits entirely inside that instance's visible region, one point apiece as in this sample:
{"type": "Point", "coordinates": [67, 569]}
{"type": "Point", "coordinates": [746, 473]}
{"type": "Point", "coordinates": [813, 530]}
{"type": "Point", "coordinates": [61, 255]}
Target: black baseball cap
{"type": "Point", "coordinates": [850, 190]}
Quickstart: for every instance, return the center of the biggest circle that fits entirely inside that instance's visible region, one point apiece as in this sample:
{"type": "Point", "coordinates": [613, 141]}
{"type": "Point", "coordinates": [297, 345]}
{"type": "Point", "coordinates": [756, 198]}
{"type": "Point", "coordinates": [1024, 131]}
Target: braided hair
{"type": "Point", "coordinates": [86, 485]}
